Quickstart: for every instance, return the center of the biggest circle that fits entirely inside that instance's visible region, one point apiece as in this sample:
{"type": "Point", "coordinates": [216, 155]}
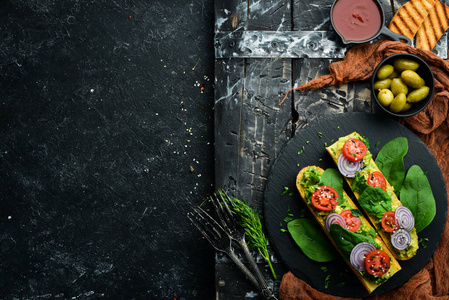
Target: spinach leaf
{"type": "Point", "coordinates": [346, 240]}
{"type": "Point", "coordinates": [416, 195]}
{"type": "Point", "coordinates": [332, 177]}
{"type": "Point", "coordinates": [312, 240]}
{"type": "Point", "coordinates": [390, 161]}
{"type": "Point", "coordinates": [375, 201]}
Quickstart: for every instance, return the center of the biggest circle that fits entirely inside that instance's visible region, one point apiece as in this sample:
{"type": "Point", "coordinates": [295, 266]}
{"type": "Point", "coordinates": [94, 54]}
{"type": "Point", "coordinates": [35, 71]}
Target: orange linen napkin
{"type": "Point", "coordinates": [432, 126]}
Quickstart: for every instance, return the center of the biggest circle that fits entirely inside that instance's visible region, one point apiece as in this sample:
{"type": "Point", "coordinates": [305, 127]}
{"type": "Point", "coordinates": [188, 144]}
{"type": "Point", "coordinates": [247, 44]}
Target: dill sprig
{"type": "Point", "coordinates": [249, 219]}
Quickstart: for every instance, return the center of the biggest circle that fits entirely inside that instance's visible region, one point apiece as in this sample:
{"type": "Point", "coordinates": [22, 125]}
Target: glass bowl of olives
{"type": "Point", "coordinates": [402, 85]}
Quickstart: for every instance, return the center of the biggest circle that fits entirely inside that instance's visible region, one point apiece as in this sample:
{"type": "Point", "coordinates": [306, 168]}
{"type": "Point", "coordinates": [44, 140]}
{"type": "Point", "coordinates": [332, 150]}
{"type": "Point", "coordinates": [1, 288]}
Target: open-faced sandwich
{"type": "Point", "coordinates": [394, 222]}
{"type": "Point", "coordinates": [351, 233]}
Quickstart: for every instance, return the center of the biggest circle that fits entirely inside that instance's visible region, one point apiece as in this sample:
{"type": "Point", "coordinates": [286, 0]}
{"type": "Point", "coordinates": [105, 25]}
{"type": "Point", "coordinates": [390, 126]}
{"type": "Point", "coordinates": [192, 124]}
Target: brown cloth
{"type": "Point", "coordinates": [432, 126]}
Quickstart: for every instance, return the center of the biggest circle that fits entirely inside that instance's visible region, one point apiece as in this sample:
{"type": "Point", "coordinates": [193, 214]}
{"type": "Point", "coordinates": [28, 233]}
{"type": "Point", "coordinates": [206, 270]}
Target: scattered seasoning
{"type": "Point", "coordinates": [320, 159]}
{"type": "Point", "coordinates": [285, 191]}
{"type": "Point", "coordinates": [325, 144]}
{"type": "Point", "coordinates": [378, 143]}
{"type": "Point", "coordinates": [320, 134]}
{"type": "Point", "coordinates": [338, 127]}
{"type": "Point", "coordinates": [197, 62]}
{"type": "Point", "coordinates": [307, 142]}
{"type": "Point", "coordinates": [324, 269]}
{"type": "Point", "coordinates": [283, 230]}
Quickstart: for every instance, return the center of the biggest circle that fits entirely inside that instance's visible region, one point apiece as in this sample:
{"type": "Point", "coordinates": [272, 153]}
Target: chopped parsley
{"type": "Point", "coordinates": [423, 242]}
{"type": "Point", "coordinates": [285, 191]}
{"type": "Point", "coordinates": [326, 281]}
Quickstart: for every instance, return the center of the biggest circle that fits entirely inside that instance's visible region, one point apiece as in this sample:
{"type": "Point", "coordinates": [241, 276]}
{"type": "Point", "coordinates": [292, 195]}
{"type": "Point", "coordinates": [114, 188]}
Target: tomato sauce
{"type": "Point", "coordinates": [357, 20]}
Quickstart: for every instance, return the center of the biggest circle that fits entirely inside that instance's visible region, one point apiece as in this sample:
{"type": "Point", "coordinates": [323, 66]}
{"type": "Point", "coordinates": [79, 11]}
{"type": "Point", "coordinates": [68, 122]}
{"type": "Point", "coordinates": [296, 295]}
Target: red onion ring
{"type": "Point", "coordinates": [348, 168]}
{"type": "Point", "coordinates": [401, 239]}
{"type": "Point", "coordinates": [404, 217]}
{"type": "Point", "coordinates": [334, 218]}
{"type": "Point", "coordinates": [358, 254]}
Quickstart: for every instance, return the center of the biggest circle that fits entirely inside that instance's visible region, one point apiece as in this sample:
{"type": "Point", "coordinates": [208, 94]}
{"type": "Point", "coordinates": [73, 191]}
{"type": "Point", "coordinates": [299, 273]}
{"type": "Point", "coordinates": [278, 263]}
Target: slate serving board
{"type": "Point", "coordinates": [311, 140]}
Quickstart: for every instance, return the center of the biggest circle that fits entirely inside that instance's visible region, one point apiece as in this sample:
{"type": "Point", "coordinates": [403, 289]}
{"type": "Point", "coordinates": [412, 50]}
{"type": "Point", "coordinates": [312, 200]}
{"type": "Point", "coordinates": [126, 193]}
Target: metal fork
{"type": "Point", "coordinates": [237, 233]}
{"type": "Point", "coordinates": [219, 239]}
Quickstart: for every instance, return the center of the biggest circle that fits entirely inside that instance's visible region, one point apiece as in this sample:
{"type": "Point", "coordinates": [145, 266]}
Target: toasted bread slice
{"type": "Point", "coordinates": [433, 27]}
{"type": "Point", "coordinates": [335, 150]}
{"type": "Point", "coordinates": [410, 16]}
{"type": "Point", "coordinates": [370, 285]}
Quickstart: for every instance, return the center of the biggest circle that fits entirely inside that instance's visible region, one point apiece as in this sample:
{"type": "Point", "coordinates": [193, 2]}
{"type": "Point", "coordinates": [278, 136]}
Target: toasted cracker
{"type": "Point", "coordinates": [410, 16]}
{"type": "Point", "coordinates": [433, 27]}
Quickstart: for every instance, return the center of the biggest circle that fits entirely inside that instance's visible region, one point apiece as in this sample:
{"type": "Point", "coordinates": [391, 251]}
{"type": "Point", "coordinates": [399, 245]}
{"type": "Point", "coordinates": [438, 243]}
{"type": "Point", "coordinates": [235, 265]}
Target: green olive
{"type": "Point", "coordinates": [398, 103]}
{"type": "Point", "coordinates": [382, 84]}
{"type": "Point", "coordinates": [407, 106]}
{"type": "Point", "coordinates": [412, 79]}
{"type": "Point", "coordinates": [398, 86]}
{"type": "Point", "coordinates": [393, 75]}
{"type": "Point", "coordinates": [385, 71]}
{"type": "Point", "coordinates": [385, 97]}
{"type": "Point", "coordinates": [401, 64]}
{"type": "Point", "coordinates": [418, 95]}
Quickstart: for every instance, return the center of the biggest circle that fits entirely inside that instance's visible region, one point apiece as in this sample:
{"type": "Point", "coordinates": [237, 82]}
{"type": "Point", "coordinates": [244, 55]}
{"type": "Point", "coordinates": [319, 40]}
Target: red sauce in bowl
{"type": "Point", "coordinates": [357, 20]}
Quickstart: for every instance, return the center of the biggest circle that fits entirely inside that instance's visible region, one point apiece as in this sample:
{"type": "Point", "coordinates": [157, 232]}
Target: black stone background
{"type": "Point", "coordinates": [106, 141]}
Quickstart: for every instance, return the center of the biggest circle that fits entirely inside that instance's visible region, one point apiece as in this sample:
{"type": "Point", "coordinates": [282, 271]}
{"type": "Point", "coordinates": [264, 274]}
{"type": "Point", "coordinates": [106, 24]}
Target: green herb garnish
{"type": "Point", "coordinates": [326, 281]}
{"type": "Point", "coordinates": [289, 218]}
{"type": "Point", "coordinates": [250, 220]}
{"type": "Point", "coordinates": [423, 242]}
{"type": "Point", "coordinates": [366, 142]}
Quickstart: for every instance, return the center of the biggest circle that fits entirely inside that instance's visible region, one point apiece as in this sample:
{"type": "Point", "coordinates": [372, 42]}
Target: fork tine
{"type": "Point", "coordinates": [228, 210]}
{"type": "Point", "coordinates": [208, 227]}
{"type": "Point", "coordinates": [220, 211]}
{"type": "Point", "coordinates": [210, 222]}
{"type": "Point", "coordinates": [224, 213]}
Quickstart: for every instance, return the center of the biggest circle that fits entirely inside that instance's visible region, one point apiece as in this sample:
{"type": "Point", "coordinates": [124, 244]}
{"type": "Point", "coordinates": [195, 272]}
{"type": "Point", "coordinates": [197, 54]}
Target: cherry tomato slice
{"type": "Point", "coordinates": [354, 150]}
{"type": "Point", "coordinates": [377, 263]}
{"type": "Point", "coordinates": [325, 198]}
{"type": "Point", "coordinates": [389, 222]}
{"type": "Point", "coordinates": [352, 222]}
{"type": "Point", "coordinates": [377, 179]}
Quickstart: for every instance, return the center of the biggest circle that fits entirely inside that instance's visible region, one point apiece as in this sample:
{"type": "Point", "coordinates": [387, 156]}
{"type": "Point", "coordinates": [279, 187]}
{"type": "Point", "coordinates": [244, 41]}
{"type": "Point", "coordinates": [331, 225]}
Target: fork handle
{"type": "Point", "coordinates": [266, 290]}
{"type": "Point", "coordinates": [230, 252]}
